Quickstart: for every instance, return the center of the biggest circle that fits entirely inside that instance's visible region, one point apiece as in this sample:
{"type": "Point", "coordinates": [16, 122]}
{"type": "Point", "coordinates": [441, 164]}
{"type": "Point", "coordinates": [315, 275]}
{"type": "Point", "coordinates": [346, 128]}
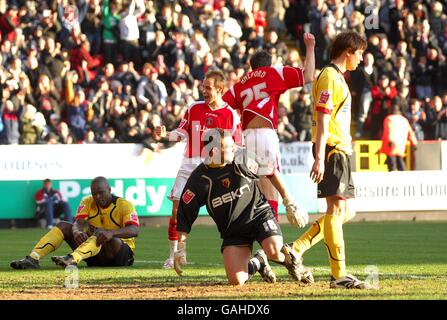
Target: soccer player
{"type": "Point", "coordinates": [242, 215]}
{"type": "Point", "coordinates": [332, 150]}
{"type": "Point", "coordinates": [103, 233]}
{"type": "Point", "coordinates": [213, 112]}
{"type": "Point", "coordinates": [256, 95]}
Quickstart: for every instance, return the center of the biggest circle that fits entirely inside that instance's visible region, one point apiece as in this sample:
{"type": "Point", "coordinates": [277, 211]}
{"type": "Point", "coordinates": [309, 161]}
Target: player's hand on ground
{"type": "Point", "coordinates": [317, 171]}
{"type": "Point", "coordinates": [160, 131]}
{"type": "Point", "coordinates": [103, 237]}
{"type": "Point", "coordinates": [309, 40]}
{"type": "Point", "coordinates": [80, 237]}
{"type": "Point", "coordinates": [180, 257]}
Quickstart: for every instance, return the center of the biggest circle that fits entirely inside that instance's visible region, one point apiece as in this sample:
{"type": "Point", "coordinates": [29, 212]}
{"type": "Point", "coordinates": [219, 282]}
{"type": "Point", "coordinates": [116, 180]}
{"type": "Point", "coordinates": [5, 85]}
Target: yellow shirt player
{"type": "Point", "coordinates": [103, 233]}
{"type": "Point", "coordinates": [331, 96]}
{"type": "Point", "coordinates": [332, 150]}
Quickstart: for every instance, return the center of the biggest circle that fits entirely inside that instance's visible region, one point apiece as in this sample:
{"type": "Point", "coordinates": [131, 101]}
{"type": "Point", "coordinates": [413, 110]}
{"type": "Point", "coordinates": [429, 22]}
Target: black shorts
{"type": "Point", "coordinates": [259, 230]}
{"type": "Point", "coordinates": [337, 179]}
{"type": "Point", "coordinates": [123, 258]}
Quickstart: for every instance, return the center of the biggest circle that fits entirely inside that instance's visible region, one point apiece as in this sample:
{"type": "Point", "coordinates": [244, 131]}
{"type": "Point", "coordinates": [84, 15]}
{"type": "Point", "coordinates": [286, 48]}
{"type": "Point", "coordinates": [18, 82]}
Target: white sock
{"type": "Point", "coordinates": [172, 248]}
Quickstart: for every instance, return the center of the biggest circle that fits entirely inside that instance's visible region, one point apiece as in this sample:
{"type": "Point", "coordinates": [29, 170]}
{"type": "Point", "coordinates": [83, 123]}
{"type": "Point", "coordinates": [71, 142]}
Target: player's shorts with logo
{"type": "Point", "coordinates": [187, 167]}
{"type": "Point", "coordinates": [262, 145]}
{"type": "Point", "coordinates": [123, 258]}
{"type": "Point", "coordinates": [337, 179]}
{"type": "Point", "coordinates": [258, 230]}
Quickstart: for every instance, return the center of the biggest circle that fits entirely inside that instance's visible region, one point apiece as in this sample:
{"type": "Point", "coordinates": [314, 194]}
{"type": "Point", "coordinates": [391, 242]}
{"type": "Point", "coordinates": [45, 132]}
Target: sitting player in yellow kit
{"type": "Point", "coordinates": [103, 233]}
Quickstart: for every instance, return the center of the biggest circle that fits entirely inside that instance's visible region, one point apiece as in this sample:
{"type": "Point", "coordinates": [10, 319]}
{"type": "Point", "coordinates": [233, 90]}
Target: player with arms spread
{"type": "Point", "coordinates": [256, 95]}
{"type": "Point", "coordinates": [213, 112]}
{"type": "Point", "coordinates": [103, 233]}
{"type": "Point", "coordinates": [332, 150]}
{"type": "Point", "coordinates": [241, 212]}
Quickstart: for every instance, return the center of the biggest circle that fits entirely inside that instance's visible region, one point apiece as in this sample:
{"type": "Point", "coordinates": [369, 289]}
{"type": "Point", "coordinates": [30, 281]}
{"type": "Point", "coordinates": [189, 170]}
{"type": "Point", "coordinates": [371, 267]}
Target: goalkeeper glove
{"type": "Point", "coordinates": [180, 257]}
{"type": "Point", "coordinates": [297, 216]}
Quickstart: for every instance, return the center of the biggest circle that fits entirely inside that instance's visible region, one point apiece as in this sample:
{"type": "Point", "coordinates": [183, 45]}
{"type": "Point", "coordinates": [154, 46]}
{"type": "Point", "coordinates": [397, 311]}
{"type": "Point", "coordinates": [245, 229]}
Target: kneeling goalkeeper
{"type": "Point", "coordinates": [241, 212]}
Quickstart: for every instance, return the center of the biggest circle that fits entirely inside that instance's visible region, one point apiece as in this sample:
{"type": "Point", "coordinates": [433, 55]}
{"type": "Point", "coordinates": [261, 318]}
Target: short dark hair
{"type": "Point", "coordinates": [46, 180]}
{"type": "Point", "coordinates": [348, 40]}
{"type": "Point", "coordinates": [260, 58]}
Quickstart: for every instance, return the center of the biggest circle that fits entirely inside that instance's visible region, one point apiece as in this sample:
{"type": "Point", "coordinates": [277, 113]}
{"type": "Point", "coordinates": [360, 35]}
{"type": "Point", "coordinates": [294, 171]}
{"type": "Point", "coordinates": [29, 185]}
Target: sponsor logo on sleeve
{"type": "Point", "coordinates": [188, 196]}
{"type": "Point", "coordinates": [324, 97]}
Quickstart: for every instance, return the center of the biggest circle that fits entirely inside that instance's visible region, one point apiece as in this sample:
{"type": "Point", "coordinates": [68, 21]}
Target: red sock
{"type": "Point", "coordinates": [274, 205]}
{"type": "Point", "coordinates": [172, 230]}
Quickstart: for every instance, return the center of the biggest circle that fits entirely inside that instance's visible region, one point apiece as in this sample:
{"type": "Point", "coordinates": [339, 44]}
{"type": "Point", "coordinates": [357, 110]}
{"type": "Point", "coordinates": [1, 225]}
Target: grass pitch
{"type": "Point", "coordinates": [405, 260]}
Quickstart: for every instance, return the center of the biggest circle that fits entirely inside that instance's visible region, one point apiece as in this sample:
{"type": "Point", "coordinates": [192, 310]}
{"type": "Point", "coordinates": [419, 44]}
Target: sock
{"type": "Point", "coordinates": [256, 263]}
{"type": "Point", "coordinates": [172, 248]}
{"type": "Point", "coordinates": [312, 236]}
{"type": "Point", "coordinates": [333, 240]}
{"type": "Point", "coordinates": [86, 250]}
{"type": "Point", "coordinates": [315, 234]}
{"type": "Point", "coordinates": [48, 243]}
{"type": "Point", "coordinates": [172, 230]}
{"type": "Point", "coordinates": [274, 205]}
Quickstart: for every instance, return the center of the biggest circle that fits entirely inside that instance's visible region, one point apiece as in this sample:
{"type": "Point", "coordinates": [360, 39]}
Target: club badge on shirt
{"type": "Point", "coordinates": [188, 196]}
{"type": "Point", "coordinates": [226, 182]}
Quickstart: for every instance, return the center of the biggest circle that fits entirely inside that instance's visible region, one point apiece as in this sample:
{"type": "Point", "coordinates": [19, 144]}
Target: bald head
{"type": "Point", "coordinates": [101, 192]}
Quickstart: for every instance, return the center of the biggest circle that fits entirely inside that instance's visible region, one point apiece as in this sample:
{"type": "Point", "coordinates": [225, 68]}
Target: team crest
{"type": "Point", "coordinates": [209, 122]}
{"type": "Point", "coordinates": [252, 165]}
{"type": "Point", "coordinates": [188, 196]}
{"type": "Point", "coordinates": [226, 182]}
{"type": "Point", "coordinates": [324, 96]}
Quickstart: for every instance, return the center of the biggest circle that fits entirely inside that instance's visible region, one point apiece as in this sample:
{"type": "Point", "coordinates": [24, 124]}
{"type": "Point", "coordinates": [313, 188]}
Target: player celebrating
{"type": "Point", "coordinates": [256, 95]}
{"type": "Point", "coordinates": [241, 213]}
{"type": "Point", "coordinates": [332, 150]}
{"type": "Point", "coordinates": [213, 112]}
{"type": "Point", "coordinates": [103, 233]}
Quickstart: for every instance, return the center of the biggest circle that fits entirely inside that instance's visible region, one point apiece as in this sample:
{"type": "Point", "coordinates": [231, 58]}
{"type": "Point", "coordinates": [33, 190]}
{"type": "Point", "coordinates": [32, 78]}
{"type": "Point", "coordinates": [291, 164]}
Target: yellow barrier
{"type": "Point", "coordinates": [368, 157]}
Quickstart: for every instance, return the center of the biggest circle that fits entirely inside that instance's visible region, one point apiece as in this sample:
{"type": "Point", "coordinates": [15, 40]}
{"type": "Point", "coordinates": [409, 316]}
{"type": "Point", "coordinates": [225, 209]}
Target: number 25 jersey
{"type": "Point", "coordinates": [258, 92]}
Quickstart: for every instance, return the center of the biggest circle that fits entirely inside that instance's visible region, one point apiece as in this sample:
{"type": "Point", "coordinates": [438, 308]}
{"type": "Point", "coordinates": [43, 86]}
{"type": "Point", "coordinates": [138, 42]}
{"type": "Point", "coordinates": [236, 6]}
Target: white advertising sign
{"type": "Point", "coordinates": [296, 157]}
{"type": "Point", "coordinates": [84, 161]}
{"type": "Point", "coordinates": [399, 191]}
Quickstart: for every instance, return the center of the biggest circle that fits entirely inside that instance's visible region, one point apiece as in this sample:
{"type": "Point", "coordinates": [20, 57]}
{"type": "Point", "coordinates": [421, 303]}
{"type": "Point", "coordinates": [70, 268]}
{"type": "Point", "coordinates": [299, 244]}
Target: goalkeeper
{"type": "Point", "coordinates": [241, 212]}
{"type": "Point", "coordinates": [103, 233]}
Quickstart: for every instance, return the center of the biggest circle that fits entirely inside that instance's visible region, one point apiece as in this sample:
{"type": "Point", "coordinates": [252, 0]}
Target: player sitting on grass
{"type": "Point", "coordinates": [240, 211]}
{"type": "Point", "coordinates": [102, 234]}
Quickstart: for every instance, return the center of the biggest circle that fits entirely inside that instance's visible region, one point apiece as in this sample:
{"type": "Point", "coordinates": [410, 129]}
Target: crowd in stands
{"type": "Point", "coordinates": [108, 71]}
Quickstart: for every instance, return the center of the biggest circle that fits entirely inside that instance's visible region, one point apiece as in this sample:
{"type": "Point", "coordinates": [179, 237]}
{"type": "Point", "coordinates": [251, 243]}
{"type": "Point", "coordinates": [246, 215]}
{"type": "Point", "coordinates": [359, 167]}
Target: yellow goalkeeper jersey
{"type": "Point", "coordinates": [331, 95]}
{"type": "Point", "coordinates": [117, 215]}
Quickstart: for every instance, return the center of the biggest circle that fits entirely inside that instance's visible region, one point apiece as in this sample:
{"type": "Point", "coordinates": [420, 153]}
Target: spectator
{"type": "Point", "coordinates": [417, 117]}
{"type": "Point", "coordinates": [382, 98]}
{"type": "Point", "coordinates": [9, 124]}
{"type": "Point", "coordinates": [396, 132]}
{"type": "Point", "coordinates": [436, 124]}
{"type": "Point", "coordinates": [129, 32]}
{"type": "Point", "coordinates": [302, 114]}
{"type": "Point", "coordinates": [110, 32]}
{"type": "Point", "coordinates": [286, 131]}
{"type": "Point", "coordinates": [50, 202]}
{"type": "Point", "coordinates": [29, 126]}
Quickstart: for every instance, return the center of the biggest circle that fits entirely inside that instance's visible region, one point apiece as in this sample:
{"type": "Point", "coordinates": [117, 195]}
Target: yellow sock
{"type": "Point", "coordinates": [48, 243]}
{"type": "Point", "coordinates": [333, 239]}
{"type": "Point", "coordinates": [312, 236]}
{"type": "Point", "coordinates": [315, 234]}
{"type": "Point", "coordinates": [86, 250]}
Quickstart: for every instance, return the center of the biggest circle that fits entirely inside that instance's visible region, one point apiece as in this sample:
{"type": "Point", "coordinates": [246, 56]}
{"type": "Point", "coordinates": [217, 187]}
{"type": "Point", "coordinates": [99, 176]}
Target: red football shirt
{"type": "Point", "coordinates": [200, 117]}
{"type": "Point", "coordinates": [258, 92]}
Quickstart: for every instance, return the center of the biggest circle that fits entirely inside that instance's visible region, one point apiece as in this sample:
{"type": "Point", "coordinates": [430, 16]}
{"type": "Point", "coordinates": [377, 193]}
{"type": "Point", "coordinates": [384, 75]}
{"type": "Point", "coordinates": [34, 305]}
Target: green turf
{"type": "Point", "coordinates": [411, 259]}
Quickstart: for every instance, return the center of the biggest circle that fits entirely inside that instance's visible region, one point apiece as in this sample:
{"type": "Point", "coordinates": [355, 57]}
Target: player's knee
{"type": "Point", "coordinates": [65, 227]}
{"type": "Point", "coordinates": [236, 280]}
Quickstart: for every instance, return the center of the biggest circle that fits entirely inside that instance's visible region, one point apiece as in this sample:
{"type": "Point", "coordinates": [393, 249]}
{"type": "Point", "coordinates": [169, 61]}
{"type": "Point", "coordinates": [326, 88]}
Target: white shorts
{"type": "Point", "coordinates": [187, 167]}
{"type": "Point", "coordinates": [262, 145]}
